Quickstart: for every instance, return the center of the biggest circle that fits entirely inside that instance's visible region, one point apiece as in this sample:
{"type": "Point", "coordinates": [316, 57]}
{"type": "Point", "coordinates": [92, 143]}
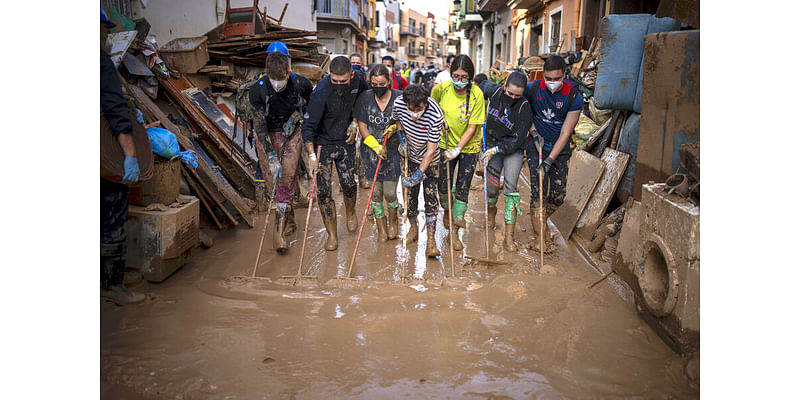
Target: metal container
{"type": "Point", "coordinates": [187, 55]}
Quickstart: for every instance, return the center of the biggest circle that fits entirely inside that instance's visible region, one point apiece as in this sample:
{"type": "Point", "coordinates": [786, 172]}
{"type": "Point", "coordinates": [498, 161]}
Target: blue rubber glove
{"type": "Point", "coordinates": [403, 147]}
{"type": "Point", "coordinates": [414, 179]}
{"type": "Point", "coordinates": [274, 164]}
{"type": "Point", "coordinates": [131, 171]}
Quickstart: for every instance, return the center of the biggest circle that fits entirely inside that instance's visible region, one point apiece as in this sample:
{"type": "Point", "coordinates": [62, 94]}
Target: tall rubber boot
{"type": "Point", "coordinates": [329, 220]}
{"type": "Point", "coordinates": [413, 230]}
{"type": "Point", "coordinates": [459, 209]}
{"type": "Point", "coordinates": [445, 215]}
{"type": "Point", "coordinates": [392, 212]}
{"type": "Point", "coordinates": [291, 226]}
{"type": "Point", "coordinates": [380, 221]}
{"type": "Point", "coordinates": [491, 211]}
{"type": "Point", "coordinates": [281, 218]}
{"type": "Point", "coordinates": [510, 217]}
{"type": "Point", "coordinates": [350, 213]}
{"type": "Point", "coordinates": [430, 247]}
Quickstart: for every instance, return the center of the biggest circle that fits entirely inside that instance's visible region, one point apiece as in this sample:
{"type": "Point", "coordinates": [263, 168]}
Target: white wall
{"type": "Point", "coordinates": [170, 19]}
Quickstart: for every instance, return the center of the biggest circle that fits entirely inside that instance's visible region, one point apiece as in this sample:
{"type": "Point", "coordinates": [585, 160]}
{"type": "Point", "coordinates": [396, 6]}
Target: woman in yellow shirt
{"type": "Point", "coordinates": [464, 111]}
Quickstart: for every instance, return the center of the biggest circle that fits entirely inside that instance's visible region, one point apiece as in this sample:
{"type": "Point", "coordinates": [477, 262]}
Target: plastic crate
{"type": "Point", "coordinates": [187, 55]}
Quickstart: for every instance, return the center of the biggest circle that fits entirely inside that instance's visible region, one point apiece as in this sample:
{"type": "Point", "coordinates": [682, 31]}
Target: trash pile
{"type": "Point", "coordinates": [187, 118]}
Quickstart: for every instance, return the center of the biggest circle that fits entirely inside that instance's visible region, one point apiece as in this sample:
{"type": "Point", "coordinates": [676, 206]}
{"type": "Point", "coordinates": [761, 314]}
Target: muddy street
{"type": "Point", "coordinates": [505, 331]}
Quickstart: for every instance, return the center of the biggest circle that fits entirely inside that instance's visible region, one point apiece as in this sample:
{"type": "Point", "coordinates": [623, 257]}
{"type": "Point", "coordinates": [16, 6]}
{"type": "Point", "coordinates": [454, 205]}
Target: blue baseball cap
{"type": "Point", "coordinates": [278, 46]}
{"type": "Point", "coordinates": [104, 19]}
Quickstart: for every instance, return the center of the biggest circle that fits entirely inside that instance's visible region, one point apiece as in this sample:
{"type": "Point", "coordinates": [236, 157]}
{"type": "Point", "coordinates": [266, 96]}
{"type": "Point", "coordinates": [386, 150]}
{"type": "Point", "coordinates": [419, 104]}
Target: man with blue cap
{"type": "Point", "coordinates": [114, 196]}
{"type": "Point", "coordinates": [279, 98]}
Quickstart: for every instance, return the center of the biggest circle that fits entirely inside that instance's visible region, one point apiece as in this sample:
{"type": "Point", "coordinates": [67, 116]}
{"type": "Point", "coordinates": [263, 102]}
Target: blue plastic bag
{"type": "Point", "coordinates": [165, 144]}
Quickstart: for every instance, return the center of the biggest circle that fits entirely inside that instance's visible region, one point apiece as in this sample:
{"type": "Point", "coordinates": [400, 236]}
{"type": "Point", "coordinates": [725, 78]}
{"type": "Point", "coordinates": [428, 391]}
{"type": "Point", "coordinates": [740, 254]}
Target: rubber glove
{"type": "Point", "coordinates": [414, 179]}
{"type": "Point", "coordinates": [403, 147]}
{"type": "Point", "coordinates": [375, 146]}
{"type": "Point", "coordinates": [313, 164]}
{"type": "Point", "coordinates": [488, 155]}
{"type": "Point", "coordinates": [389, 131]}
{"type": "Point", "coordinates": [452, 153]}
{"type": "Point", "coordinates": [274, 164]}
{"type": "Point", "coordinates": [131, 171]}
{"type": "Point", "coordinates": [545, 165]}
{"type": "Point", "coordinates": [352, 132]}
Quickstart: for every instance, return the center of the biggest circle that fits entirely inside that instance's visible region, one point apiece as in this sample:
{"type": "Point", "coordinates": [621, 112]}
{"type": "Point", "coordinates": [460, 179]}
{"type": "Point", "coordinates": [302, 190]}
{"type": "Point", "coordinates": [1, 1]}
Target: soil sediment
{"type": "Point", "coordinates": [499, 331]}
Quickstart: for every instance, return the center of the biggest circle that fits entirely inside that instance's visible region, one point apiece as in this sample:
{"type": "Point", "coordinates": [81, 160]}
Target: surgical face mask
{"type": "Point", "coordinates": [416, 115]}
{"type": "Point", "coordinates": [554, 85]}
{"type": "Point", "coordinates": [279, 85]}
{"type": "Point", "coordinates": [380, 90]}
{"type": "Point", "coordinates": [460, 85]}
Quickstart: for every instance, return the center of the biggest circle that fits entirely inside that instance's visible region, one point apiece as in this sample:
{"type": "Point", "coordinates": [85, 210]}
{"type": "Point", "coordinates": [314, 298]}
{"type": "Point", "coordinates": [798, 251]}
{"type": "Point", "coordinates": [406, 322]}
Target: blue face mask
{"type": "Point", "coordinates": [460, 85]}
{"type": "Point", "coordinates": [356, 68]}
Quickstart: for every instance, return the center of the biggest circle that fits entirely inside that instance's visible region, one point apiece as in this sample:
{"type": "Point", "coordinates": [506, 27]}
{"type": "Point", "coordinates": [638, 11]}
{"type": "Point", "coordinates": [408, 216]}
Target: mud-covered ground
{"type": "Point", "coordinates": [508, 331]}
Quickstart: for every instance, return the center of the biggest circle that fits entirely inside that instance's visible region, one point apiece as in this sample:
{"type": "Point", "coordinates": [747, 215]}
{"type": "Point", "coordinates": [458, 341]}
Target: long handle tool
{"type": "Point", "coordinates": [485, 194]}
{"type": "Point", "coordinates": [538, 141]}
{"type": "Point", "coordinates": [262, 156]}
{"type": "Point", "coordinates": [305, 234]}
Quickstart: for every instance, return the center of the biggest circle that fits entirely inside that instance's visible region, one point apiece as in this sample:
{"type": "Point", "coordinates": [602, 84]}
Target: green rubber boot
{"type": "Point", "coordinates": [459, 209]}
{"type": "Point", "coordinates": [380, 220]}
{"type": "Point", "coordinates": [512, 210]}
{"type": "Point", "coordinates": [393, 210]}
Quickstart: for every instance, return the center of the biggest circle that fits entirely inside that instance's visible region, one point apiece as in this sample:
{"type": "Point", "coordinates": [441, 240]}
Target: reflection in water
{"type": "Point", "coordinates": [339, 313]}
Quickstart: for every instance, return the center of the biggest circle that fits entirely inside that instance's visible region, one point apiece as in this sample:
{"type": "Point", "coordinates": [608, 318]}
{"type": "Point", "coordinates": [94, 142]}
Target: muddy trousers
{"type": "Point", "coordinates": [555, 182]}
{"type": "Point", "coordinates": [342, 156]}
{"type": "Point", "coordinates": [429, 187]}
{"type": "Point", "coordinates": [511, 166]}
{"type": "Point", "coordinates": [113, 214]}
{"type": "Point", "coordinates": [287, 183]}
{"type": "Point", "coordinates": [462, 181]}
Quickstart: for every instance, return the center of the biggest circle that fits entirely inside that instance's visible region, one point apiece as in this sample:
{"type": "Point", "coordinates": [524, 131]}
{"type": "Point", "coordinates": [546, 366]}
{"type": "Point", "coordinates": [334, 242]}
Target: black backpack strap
{"type": "Point", "coordinates": [573, 93]}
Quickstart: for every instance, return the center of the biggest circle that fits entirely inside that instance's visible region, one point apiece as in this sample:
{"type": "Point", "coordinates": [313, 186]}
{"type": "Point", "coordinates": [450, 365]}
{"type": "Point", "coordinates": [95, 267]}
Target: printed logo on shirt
{"type": "Point", "coordinates": [464, 115]}
{"type": "Point", "coordinates": [378, 119]}
{"type": "Point", "coordinates": [539, 98]}
{"type": "Point", "coordinates": [501, 119]}
{"type": "Point", "coordinates": [559, 104]}
{"type": "Point", "coordinates": [354, 91]}
{"type": "Point", "coordinates": [549, 114]}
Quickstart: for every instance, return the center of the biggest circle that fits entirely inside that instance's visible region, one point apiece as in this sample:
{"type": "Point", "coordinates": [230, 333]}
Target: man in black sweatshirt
{"type": "Point", "coordinates": [114, 196]}
{"type": "Point", "coordinates": [508, 119]}
{"type": "Point", "coordinates": [329, 113]}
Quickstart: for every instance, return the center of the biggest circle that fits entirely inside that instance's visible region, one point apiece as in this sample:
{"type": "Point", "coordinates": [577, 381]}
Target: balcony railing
{"type": "Point", "coordinates": [409, 30]}
{"type": "Point", "coordinates": [345, 9]}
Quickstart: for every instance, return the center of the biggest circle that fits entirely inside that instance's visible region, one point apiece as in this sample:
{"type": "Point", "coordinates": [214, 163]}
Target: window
{"type": "Point", "coordinates": [422, 29]}
{"type": "Point", "coordinates": [555, 29]}
{"type": "Point", "coordinates": [411, 47]}
{"type": "Point", "coordinates": [422, 49]}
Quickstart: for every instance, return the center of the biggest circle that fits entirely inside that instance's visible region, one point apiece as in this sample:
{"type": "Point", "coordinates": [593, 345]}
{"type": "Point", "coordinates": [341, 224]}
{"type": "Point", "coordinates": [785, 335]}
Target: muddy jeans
{"type": "Point", "coordinates": [287, 184]}
{"type": "Point", "coordinates": [429, 184]}
{"type": "Point", "coordinates": [510, 165]}
{"type": "Point", "coordinates": [555, 182]}
{"type": "Point", "coordinates": [343, 156]}
{"type": "Point", "coordinates": [113, 214]}
{"type": "Point", "coordinates": [466, 170]}
{"type": "Point", "coordinates": [385, 189]}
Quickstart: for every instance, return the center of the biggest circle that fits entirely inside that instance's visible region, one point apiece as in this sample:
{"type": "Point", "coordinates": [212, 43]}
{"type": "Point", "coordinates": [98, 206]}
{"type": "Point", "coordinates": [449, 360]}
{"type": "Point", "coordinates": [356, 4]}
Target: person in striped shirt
{"type": "Point", "coordinates": [419, 124]}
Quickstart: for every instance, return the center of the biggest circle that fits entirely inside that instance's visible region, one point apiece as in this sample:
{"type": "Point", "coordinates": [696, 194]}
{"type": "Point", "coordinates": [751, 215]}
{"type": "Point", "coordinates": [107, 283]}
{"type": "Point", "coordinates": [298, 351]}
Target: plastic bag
{"type": "Point", "coordinates": [165, 144]}
{"type": "Point", "coordinates": [599, 116]}
{"type": "Point", "coordinates": [583, 131]}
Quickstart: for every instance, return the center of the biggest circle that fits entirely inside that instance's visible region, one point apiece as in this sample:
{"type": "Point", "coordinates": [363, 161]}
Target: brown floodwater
{"type": "Point", "coordinates": [495, 332]}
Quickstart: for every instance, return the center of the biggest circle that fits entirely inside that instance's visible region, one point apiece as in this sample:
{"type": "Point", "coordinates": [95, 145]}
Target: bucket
{"type": "Point", "coordinates": [163, 187]}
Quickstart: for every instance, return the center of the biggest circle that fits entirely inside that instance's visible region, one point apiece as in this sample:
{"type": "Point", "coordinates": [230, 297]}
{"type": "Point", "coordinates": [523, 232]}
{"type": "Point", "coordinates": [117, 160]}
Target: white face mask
{"type": "Point", "coordinates": [554, 86]}
{"type": "Point", "coordinates": [416, 115]}
{"type": "Point", "coordinates": [279, 85]}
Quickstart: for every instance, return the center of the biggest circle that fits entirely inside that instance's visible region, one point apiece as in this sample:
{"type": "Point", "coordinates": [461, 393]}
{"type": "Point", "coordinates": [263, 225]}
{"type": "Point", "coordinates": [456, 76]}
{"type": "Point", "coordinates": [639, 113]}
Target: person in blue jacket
{"type": "Point", "coordinates": [556, 104]}
{"type": "Point", "coordinates": [114, 196]}
{"type": "Point", "coordinates": [329, 113]}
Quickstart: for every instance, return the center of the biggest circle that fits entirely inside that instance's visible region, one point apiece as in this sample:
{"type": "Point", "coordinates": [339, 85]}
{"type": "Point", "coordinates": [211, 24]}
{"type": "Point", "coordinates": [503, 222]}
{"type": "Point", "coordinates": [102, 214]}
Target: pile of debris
{"type": "Point", "coordinates": [171, 88]}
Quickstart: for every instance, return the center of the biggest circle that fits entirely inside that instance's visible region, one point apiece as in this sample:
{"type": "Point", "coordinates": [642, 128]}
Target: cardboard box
{"type": "Point", "coordinates": [159, 241]}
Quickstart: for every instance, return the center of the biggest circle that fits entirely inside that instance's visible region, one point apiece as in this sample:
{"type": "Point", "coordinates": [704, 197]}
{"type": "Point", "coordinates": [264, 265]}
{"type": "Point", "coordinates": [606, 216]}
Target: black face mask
{"type": "Point", "coordinates": [341, 88]}
{"type": "Point", "coordinates": [380, 90]}
{"type": "Point", "coordinates": [507, 100]}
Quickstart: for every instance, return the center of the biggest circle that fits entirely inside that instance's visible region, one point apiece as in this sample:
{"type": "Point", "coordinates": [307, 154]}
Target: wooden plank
{"type": "Point", "coordinates": [584, 173]}
{"type": "Point", "coordinates": [219, 203]}
{"type": "Point", "coordinates": [202, 196]}
{"type": "Point", "coordinates": [616, 163]}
